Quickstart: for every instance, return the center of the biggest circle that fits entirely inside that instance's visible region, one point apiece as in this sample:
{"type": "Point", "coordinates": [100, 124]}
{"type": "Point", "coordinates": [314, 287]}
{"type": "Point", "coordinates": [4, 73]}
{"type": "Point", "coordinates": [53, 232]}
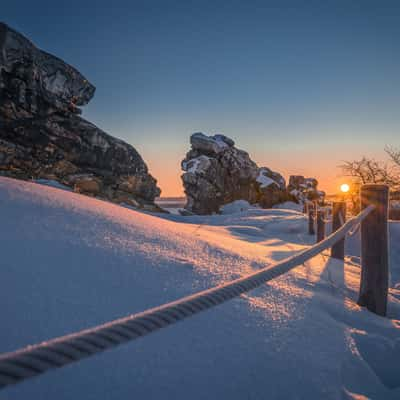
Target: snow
{"type": "Point", "coordinates": [193, 165]}
{"type": "Point", "coordinates": [197, 164]}
{"type": "Point", "coordinates": [264, 180]}
{"type": "Point", "coordinates": [236, 207]}
{"type": "Point", "coordinates": [70, 262]}
{"type": "Point", "coordinates": [52, 183]}
{"type": "Point", "coordinates": [172, 206]}
{"type": "Point", "coordinates": [219, 140]}
{"type": "Point", "coordinates": [289, 205]}
{"type": "Point", "coordinates": [295, 192]}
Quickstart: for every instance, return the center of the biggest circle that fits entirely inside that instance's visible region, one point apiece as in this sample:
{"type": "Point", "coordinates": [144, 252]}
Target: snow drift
{"type": "Point", "coordinates": [69, 262]}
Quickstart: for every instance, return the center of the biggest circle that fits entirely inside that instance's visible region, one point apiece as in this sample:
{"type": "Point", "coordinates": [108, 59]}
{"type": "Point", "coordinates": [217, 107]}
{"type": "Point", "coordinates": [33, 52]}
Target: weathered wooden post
{"type": "Point", "coordinates": [320, 224]}
{"type": "Point", "coordinates": [374, 249]}
{"type": "Point", "coordinates": [311, 230]}
{"type": "Point", "coordinates": [338, 219]}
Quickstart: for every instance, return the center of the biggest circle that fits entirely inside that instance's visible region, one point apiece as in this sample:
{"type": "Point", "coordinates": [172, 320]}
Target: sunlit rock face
{"type": "Point", "coordinates": [217, 173]}
{"type": "Point", "coordinates": [303, 189]}
{"type": "Point", "coordinates": [43, 136]}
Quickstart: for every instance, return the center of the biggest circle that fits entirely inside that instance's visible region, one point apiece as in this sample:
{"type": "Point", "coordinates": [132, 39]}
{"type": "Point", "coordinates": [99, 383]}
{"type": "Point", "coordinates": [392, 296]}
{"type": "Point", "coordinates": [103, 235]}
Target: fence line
{"type": "Point", "coordinates": [37, 359]}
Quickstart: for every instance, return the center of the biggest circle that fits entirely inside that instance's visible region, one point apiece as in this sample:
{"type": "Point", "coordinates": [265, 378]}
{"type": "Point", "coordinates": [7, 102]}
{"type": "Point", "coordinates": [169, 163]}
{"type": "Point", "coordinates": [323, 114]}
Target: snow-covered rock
{"type": "Point", "coordinates": [272, 187]}
{"type": "Point", "coordinates": [217, 173]}
{"type": "Point", "coordinates": [43, 137]}
{"type": "Point", "coordinates": [267, 177]}
{"type": "Point", "coordinates": [211, 144]}
{"type": "Point", "coordinates": [303, 189]}
{"type": "Point", "coordinates": [265, 181]}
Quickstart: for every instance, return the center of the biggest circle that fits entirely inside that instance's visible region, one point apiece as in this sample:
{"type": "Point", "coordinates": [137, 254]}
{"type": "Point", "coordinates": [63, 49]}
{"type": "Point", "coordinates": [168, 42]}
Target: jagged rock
{"type": "Point", "coordinates": [272, 188]}
{"type": "Point", "coordinates": [37, 81]}
{"type": "Point", "coordinates": [303, 189]}
{"type": "Point", "coordinates": [210, 145]}
{"type": "Point", "coordinates": [217, 173]}
{"type": "Point", "coordinates": [43, 136]}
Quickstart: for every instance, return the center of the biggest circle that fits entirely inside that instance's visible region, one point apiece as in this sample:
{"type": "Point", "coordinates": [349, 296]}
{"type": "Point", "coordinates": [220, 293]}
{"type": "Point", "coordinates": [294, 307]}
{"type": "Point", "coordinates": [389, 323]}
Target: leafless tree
{"type": "Point", "coordinates": [368, 170]}
{"type": "Point", "coordinates": [394, 156]}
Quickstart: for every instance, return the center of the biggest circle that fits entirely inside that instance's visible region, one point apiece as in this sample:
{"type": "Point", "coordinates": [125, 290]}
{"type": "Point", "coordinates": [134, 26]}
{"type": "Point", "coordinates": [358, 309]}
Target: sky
{"type": "Point", "coordinates": [300, 85]}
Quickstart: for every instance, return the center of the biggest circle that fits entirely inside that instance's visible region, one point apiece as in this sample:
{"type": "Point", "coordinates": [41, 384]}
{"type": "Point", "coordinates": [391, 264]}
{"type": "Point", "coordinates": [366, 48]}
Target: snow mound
{"type": "Point", "coordinates": [288, 205]}
{"type": "Point", "coordinates": [69, 262]}
{"type": "Point", "coordinates": [235, 207]}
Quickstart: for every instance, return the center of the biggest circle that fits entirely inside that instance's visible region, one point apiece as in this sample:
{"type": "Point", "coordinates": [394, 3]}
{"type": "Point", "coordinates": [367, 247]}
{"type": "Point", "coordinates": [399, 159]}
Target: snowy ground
{"type": "Point", "coordinates": [69, 262]}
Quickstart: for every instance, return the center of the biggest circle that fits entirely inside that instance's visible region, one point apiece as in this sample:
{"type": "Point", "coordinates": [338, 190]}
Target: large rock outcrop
{"type": "Point", "coordinates": [43, 136]}
{"type": "Point", "coordinates": [217, 173]}
{"type": "Point", "coordinates": [304, 189]}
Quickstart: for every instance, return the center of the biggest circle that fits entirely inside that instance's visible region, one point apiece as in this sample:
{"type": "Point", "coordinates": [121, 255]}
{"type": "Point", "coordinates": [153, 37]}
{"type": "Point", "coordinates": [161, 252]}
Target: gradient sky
{"type": "Point", "coordinates": [300, 85]}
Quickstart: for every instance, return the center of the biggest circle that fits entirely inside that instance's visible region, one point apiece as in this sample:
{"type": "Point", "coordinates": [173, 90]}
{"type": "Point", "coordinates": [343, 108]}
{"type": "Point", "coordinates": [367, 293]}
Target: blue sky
{"type": "Point", "coordinates": [300, 85]}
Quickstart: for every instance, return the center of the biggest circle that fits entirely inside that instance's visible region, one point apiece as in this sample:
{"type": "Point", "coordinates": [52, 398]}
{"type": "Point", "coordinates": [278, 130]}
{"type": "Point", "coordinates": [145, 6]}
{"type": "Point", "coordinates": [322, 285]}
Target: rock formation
{"type": "Point", "coordinates": [217, 173]}
{"type": "Point", "coordinates": [43, 136]}
{"type": "Point", "coordinates": [303, 189]}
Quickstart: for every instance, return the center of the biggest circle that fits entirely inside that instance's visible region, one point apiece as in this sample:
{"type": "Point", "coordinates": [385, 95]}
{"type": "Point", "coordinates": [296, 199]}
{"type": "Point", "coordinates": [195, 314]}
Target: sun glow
{"type": "Point", "coordinates": [344, 188]}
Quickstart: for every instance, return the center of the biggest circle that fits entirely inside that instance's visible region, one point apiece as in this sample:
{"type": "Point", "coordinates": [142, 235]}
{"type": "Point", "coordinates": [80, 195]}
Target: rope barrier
{"type": "Point", "coordinates": [354, 230]}
{"type": "Point", "coordinates": [34, 360]}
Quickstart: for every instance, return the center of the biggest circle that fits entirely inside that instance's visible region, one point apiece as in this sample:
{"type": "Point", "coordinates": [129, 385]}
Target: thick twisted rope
{"type": "Point", "coordinates": [37, 359]}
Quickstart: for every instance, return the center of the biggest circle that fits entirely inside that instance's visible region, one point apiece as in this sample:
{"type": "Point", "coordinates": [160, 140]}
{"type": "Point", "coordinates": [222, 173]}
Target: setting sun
{"type": "Point", "coordinates": [344, 188]}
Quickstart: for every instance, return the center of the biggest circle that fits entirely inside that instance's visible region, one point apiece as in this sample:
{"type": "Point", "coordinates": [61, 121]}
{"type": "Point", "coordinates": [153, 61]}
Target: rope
{"type": "Point", "coordinates": [34, 360]}
{"type": "Point", "coordinates": [353, 231]}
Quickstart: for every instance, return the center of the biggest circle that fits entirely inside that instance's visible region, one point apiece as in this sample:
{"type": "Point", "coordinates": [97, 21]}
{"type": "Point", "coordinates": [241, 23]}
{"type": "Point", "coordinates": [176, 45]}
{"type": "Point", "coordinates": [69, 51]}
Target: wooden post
{"type": "Point", "coordinates": [374, 249]}
{"type": "Point", "coordinates": [311, 230]}
{"type": "Point", "coordinates": [338, 219]}
{"type": "Point", "coordinates": [320, 225]}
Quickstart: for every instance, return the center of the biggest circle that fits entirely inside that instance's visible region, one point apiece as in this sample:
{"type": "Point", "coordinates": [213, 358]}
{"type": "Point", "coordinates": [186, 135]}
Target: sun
{"type": "Point", "coordinates": [344, 187]}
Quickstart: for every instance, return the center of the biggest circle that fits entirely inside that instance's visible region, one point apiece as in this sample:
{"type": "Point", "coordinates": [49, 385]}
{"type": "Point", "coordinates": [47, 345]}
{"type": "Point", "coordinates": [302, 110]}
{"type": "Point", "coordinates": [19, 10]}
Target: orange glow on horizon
{"type": "Point", "coordinates": [169, 179]}
{"type": "Point", "coordinates": [309, 163]}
